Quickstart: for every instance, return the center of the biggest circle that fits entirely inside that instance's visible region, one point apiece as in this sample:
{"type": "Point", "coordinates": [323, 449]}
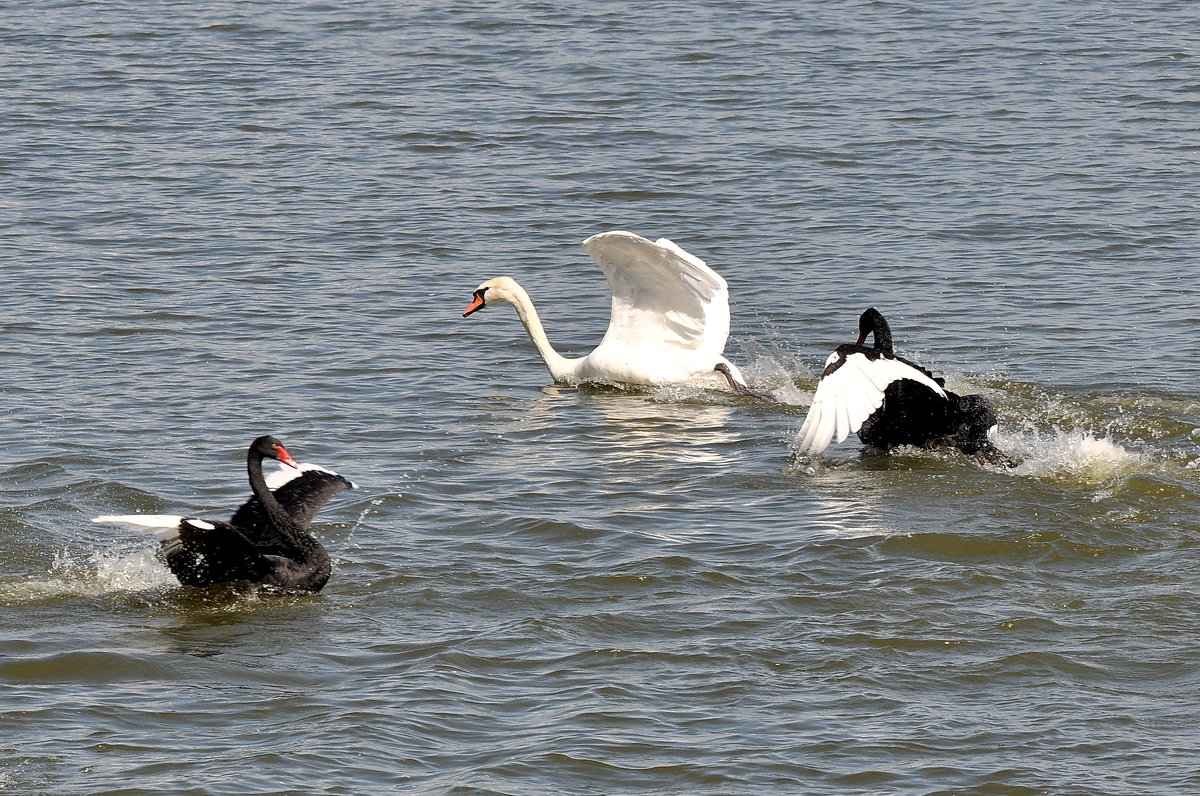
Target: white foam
{"type": "Point", "coordinates": [1073, 455]}
{"type": "Point", "coordinates": [101, 573]}
{"type": "Point", "coordinates": [137, 571]}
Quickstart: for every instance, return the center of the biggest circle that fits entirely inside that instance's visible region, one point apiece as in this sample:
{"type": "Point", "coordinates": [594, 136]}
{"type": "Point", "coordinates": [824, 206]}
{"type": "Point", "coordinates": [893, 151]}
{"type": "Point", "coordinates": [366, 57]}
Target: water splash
{"type": "Point", "coordinates": [99, 573]}
{"type": "Point", "coordinates": [1073, 455]}
{"type": "Point", "coordinates": [780, 374]}
{"type": "Point", "coordinates": [362, 517]}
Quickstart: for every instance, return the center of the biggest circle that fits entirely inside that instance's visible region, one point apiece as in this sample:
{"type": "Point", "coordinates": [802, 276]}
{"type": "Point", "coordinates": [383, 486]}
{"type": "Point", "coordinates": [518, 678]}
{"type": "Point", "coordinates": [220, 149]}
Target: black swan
{"type": "Point", "coordinates": [265, 542]}
{"type": "Point", "coordinates": [890, 402]}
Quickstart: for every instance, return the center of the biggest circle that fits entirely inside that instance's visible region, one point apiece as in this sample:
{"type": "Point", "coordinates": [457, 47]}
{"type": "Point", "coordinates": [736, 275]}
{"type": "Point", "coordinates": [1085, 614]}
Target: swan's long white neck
{"type": "Point", "coordinates": [560, 367]}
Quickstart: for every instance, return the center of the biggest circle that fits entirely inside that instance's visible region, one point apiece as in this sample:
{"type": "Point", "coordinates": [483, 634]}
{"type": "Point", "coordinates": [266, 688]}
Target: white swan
{"type": "Point", "coordinates": [669, 319]}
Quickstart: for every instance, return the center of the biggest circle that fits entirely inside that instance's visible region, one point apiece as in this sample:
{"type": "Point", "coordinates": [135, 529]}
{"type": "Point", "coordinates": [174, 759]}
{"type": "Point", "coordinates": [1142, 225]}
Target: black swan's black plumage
{"type": "Point", "coordinates": [265, 542]}
{"type": "Point", "coordinates": [890, 401]}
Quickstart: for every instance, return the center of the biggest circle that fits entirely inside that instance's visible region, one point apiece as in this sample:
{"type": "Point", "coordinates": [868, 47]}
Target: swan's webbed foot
{"type": "Point", "coordinates": [738, 387]}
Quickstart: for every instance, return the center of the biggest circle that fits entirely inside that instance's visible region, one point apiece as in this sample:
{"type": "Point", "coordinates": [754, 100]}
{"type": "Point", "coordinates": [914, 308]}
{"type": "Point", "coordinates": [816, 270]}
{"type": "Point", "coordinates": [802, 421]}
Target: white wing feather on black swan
{"type": "Point", "coordinates": [852, 388]}
{"type": "Point", "coordinates": [889, 401]}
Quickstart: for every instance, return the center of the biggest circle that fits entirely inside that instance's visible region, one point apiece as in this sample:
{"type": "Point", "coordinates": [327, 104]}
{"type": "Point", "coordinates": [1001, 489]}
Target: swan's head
{"type": "Point", "coordinates": [493, 291]}
{"type": "Point", "coordinates": [724, 370]}
{"type": "Point", "coordinates": [872, 323]}
{"type": "Point", "coordinates": [270, 448]}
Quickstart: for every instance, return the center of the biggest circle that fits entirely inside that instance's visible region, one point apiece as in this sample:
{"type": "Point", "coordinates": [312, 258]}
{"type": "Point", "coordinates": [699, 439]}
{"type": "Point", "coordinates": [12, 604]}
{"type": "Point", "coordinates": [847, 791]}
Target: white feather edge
{"type": "Point", "coordinates": [849, 395]}
{"type": "Point", "coordinates": [278, 474]}
{"type": "Point", "coordinates": [163, 526]}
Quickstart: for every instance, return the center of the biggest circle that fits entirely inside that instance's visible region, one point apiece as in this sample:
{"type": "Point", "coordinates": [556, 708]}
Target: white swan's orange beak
{"type": "Point", "coordinates": [476, 304]}
{"type": "Point", "coordinates": [282, 455]}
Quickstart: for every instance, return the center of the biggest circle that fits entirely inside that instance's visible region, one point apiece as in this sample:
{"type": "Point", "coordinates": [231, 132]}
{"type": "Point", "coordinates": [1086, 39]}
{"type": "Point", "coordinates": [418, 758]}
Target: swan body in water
{"type": "Point", "coordinates": [890, 401]}
{"type": "Point", "coordinates": [265, 542]}
{"type": "Point", "coordinates": [668, 324]}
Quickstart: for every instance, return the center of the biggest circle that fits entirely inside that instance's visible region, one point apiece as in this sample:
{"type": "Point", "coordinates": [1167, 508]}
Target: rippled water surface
{"type": "Point", "coordinates": [227, 220]}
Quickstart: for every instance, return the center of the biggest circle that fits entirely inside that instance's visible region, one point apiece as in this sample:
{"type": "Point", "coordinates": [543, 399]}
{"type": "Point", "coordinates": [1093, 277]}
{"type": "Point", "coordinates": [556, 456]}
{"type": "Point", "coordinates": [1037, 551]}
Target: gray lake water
{"type": "Point", "coordinates": [224, 220]}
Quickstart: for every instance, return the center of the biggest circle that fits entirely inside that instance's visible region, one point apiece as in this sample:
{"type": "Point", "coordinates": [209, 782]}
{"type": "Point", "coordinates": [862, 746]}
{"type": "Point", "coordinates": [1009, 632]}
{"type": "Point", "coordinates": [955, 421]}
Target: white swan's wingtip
{"type": "Point", "coordinates": [597, 246]}
{"type": "Point", "coordinates": [598, 243]}
{"type": "Point", "coordinates": [612, 233]}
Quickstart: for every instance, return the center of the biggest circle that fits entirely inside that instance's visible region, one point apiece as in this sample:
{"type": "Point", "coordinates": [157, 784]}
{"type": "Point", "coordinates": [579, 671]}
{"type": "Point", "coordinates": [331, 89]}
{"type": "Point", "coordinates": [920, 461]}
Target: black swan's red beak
{"type": "Point", "coordinates": [282, 455]}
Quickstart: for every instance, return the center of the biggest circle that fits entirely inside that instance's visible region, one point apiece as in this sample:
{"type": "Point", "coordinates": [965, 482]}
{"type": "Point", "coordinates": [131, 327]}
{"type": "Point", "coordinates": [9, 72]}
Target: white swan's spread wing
{"type": "Point", "coordinates": [661, 295]}
{"type": "Point", "coordinates": [850, 391]}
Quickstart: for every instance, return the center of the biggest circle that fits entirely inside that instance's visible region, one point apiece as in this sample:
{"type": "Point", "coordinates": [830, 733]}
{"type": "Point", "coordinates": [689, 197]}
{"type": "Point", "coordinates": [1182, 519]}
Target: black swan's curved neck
{"type": "Point", "coordinates": [277, 515]}
{"type": "Point", "coordinates": [872, 323]}
{"type": "Point", "coordinates": [258, 485]}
